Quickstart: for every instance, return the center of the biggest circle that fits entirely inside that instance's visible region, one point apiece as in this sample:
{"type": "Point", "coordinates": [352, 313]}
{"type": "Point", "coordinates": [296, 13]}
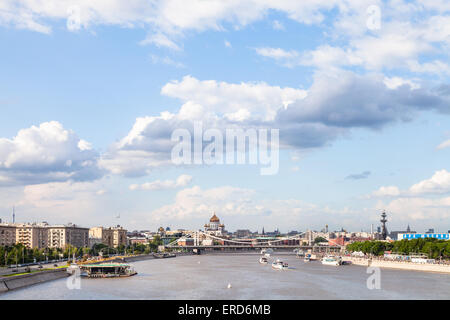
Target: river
{"type": "Point", "coordinates": [208, 276]}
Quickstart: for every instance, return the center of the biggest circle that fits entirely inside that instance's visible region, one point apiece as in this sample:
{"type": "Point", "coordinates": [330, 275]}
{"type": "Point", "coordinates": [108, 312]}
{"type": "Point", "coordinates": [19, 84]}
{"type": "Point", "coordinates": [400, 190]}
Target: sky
{"type": "Point", "coordinates": [91, 92]}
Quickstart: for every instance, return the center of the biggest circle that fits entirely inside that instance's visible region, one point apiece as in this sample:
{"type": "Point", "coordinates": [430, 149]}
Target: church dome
{"type": "Point", "coordinates": [214, 219]}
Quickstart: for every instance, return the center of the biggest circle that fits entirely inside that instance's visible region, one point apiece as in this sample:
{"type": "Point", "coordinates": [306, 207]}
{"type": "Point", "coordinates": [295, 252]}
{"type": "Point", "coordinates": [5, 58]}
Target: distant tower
{"type": "Point", "coordinates": [263, 231]}
{"type": "Point", "coordinates": [408, 230]}
{"type": "Point", "coordinates": [14, 214]}
{"type": "Point", "coordinates": [326, 228]}
{"type": "Point", "coordinates": [383, 225]}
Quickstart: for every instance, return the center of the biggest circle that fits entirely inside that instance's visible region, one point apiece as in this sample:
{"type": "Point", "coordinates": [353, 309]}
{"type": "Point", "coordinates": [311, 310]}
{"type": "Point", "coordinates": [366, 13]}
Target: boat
{"type": "Point", "coordinates": [310, 257]}
{"type": "Point", "coordinates": [278, 264]}
{"type": "Point", "coordinates": [332, 260]}
{"type": "Point", "coordinates": [108, 270]}
{"type": "Point", "coordinates": [267, 252]}
{"type": "Point", "coordinates": [299, 253]}
{"type": "Point", "coordinates": [263, 260]}
{"type": "Point", "coordinates": [73, 269]}
{"type": "Point", "coordinates": [160, 255]}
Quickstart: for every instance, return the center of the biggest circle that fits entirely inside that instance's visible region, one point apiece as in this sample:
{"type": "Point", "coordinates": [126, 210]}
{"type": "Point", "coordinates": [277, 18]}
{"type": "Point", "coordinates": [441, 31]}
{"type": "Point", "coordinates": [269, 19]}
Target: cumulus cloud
{"type": "Point", "coordinates": [335, 103]}
{"type": "Point", "coordinates": [240, 206]}
{"type": "Point", "coordinates": [439, 183]}
{"type": "Point", "coordinates": [47, 153]}
{"type": "Point", "coordinates": [227, 99]}
{"type": "Point", "coordinates": [181, 181]}
{"type": "Point", "coordinates": [165, 20]}
{"type": "Point", "coordinates": [389, 191]}
{"type": "Point", "coordinates": [82, 203]}
{"type": "Point", "coordinates": [345, 99]}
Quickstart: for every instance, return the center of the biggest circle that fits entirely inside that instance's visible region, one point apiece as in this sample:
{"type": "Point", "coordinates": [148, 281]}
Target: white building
{"type": "Point", "coordinates": [214, 227]}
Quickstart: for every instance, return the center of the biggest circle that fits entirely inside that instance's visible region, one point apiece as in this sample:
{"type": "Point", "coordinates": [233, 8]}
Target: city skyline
{"type": "Point", "coordinates": [359, 91]}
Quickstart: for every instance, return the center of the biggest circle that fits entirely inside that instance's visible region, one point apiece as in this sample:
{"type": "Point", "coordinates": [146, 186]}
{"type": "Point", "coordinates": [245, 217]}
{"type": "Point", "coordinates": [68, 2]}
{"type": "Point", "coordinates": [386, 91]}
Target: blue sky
{"type": "Point", "coordinates": [362, 111]}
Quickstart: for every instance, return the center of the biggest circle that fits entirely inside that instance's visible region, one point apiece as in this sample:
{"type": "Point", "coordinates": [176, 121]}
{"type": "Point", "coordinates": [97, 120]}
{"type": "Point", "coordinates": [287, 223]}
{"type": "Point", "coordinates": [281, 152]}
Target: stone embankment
{"type": "Point", "coordinates": [403, 265]}
{"type": "Point", "coordinates": [25, 280]}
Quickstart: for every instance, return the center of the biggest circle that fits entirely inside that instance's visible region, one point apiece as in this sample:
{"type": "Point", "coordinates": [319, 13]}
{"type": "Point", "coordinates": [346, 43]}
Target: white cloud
{"type": "Point", "coordinates": [227, 44]}
{"type": "Point", "coordinates": [439, 183]}
{"type": "Point", "coordinates": [165, 18]}
{"type": "Point", "coordinates": [443, 145]}
{"type": "Point", "coordinates": [395, 82]}
{"type": "Point", "coordinates": [260, 99]}
{"type": "Point", "coordinates": [62, 202]}
{"type": "Point", "coordinates": [390, 191]}
{"type": "Point", "coordinates": [46, 153]}
{"type": "Point", "coordinates": [237, 207]}
{"type": "Point", "coordinates": [196, 202]}
{"type": "Point", "coordinates": [336, 102]}
{"type": "Point", "coordinates": [409, 209]}
{"type": "Point", "coordinates": [160, 40]}
{"type": "Point", "coordinates": [181, 181]}
{"type": "Point", "coordinates": [166, 60]}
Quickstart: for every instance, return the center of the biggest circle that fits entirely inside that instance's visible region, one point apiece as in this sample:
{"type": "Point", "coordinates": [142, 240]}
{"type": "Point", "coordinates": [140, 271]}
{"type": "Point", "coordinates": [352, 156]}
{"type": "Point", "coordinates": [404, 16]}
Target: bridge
{"type": "Point", "coordinates": [236, 244]}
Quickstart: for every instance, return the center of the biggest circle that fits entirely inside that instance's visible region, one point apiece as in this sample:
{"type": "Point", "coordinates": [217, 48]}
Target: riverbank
{"type": "Point", "coordinates": [25, 280]}
{"type": "Point", "coordinates": [423, 267]}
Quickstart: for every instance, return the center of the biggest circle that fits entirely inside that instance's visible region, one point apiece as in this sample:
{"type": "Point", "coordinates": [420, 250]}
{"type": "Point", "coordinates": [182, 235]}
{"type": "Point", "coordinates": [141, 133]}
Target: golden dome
{"type": "Point", "coordinates": [214, 218]}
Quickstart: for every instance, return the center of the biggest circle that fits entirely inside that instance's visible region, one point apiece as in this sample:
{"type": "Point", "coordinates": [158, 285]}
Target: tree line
{"type": "Point", "coordinates": [432, 248]}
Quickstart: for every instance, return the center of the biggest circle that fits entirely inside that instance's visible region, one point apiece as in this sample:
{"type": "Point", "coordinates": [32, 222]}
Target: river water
{"type": "Point", "coordinates": [208, 276]}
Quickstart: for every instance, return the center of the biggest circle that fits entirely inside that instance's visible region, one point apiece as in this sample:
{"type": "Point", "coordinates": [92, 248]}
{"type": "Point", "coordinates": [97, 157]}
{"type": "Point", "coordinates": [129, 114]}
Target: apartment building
{"type": "Point", "coordinates": [32, 235]}
{"type": "Point", "coordinates": [112, 237]}
{"type": "Point", "coordinates": [7, 235]}
{"type": "Point", "coordinates": [43, 235]}
{"type": "Point", "coordinates": [61, 235]}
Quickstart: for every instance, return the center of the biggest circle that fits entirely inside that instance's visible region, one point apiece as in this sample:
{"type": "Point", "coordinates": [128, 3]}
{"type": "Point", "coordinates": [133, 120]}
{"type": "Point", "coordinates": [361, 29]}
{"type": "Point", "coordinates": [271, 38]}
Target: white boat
{"type": "Point", "coordinates": [267, 251]}
{"type": "Point", "coordinates": [263, 260]}
{"type": "Point", "coordinates": [310, 257]}
{"type": "Point", "coordinates": [332, 260]}
{"type": "Point", "coordinates": [278, 264]}
{"type": "Point", "coordinates": [73, 269]}
{"type": "Point", "coordinates": [300, 253]}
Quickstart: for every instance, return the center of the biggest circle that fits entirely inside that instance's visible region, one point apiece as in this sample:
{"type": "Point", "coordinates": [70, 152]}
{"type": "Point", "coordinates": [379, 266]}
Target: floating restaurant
{"type": "Point", "coordinates": [108, 270]}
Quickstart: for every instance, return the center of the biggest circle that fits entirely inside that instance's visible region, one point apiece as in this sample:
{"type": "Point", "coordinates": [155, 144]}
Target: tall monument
{"type": "Point", "coordinates": [383, 225]}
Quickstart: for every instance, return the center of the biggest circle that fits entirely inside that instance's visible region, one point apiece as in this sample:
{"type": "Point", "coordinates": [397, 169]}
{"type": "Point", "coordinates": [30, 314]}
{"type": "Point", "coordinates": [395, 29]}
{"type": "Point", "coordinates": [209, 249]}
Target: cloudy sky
{"type": "Point", "coordinates": [91, 91]}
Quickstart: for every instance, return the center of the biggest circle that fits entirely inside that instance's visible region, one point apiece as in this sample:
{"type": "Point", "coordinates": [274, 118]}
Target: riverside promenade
{"type": "Point", "coordinates": [11, 281]}
{"type": "Point", "coordinates": [403, 265]}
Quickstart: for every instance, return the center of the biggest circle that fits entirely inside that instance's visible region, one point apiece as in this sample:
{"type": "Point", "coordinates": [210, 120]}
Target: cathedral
{"type": "Point", "coordinates": [214, 227]}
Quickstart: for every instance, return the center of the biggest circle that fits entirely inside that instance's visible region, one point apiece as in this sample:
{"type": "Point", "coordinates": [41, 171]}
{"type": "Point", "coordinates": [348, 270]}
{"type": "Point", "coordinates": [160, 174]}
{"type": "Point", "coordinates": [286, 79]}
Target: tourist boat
{"type": "Point", "coordinates": [263, 260]}
{"type": "Point", "coordinates": [332, 260]}
{"type": "Point", "coordinates": [278, 264]}
{"type": "Point", "coordinates": [108, 270]}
